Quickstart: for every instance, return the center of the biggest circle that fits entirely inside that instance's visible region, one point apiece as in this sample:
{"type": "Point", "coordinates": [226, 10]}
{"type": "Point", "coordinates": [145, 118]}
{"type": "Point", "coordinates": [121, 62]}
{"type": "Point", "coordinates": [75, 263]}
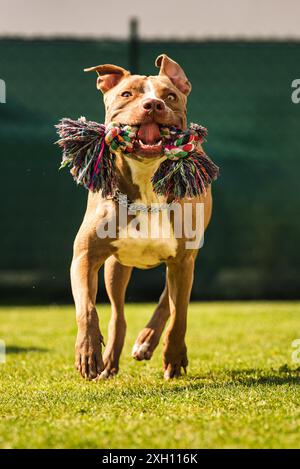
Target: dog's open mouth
{"type": "Point", "coordinates": [149, 141]}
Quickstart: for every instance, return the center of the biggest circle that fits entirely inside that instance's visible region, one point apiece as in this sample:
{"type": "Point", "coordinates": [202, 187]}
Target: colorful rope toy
{"type": "Point", "coordinates": [89, 148]}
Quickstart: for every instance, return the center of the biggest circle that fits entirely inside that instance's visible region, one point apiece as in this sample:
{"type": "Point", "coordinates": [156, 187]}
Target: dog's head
{"type": "Point", "coordinates": [145, 101]}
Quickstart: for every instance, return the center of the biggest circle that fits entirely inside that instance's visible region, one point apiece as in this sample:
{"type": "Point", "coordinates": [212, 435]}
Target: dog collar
{"type": "Point", "coordinates": [122, 200]}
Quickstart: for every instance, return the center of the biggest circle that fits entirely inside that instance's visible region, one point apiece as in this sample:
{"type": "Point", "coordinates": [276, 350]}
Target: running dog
{"type": "Point", "coordinates": [147, 102]}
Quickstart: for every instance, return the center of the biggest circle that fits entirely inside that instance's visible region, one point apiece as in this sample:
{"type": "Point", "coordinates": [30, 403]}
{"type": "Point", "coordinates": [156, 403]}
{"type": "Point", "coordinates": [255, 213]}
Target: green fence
{"type": "Point", "coordinates": [241, 92]}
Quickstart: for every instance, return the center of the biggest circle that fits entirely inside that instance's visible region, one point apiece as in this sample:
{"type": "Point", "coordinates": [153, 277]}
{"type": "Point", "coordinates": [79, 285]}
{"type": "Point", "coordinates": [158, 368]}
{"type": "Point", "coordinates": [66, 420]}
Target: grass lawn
{"type": "Point", "coordinates": [241, 391]}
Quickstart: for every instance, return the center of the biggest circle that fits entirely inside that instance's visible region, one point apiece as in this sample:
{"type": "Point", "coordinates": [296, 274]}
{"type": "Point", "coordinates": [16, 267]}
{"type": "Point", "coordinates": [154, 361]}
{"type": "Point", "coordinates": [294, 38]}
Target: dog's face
{"type": "Point", "coordinates": [146, 102]}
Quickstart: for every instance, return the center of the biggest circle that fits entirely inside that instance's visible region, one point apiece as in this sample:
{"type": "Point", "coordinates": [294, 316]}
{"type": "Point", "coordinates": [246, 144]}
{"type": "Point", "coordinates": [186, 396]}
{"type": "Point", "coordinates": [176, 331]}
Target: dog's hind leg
{"type": "Point", "coordinates": [116, 278]}
{"type": "Point", "coordinates": [148, 338]}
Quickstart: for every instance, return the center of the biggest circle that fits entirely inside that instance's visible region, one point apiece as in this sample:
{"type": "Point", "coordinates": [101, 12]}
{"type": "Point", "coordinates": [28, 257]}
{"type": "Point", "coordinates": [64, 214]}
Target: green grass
{"type": "Point", "coordinates": [241, 391]}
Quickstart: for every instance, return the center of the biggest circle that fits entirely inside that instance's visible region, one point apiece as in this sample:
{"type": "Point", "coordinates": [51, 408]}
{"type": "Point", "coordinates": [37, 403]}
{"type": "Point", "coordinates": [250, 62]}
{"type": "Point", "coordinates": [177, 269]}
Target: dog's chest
{"type": "Point", "coordinates": [148, 239]}
{"type": "Point", "coordinates": [145, 243]}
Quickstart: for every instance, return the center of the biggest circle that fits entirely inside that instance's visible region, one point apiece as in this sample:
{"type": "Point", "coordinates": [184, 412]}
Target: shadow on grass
{"type": "Point", "coordinates": [11, 349]}
{"type": "Point", "coordinates": [247, 377]}
{"type": "Point", "coordinates": [252, 377]}
{"type": "Point", "coordinates": [187, 387]}
{"type": "Point", "coordinates": [223, 379]}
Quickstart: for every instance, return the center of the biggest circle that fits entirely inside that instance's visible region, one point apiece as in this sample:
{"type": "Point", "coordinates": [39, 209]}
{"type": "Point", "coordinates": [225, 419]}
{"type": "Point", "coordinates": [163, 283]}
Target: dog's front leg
{"type": "Point", "coordinates": [84, 279]}
{"type": "Point", "coordinates": [180, 281]}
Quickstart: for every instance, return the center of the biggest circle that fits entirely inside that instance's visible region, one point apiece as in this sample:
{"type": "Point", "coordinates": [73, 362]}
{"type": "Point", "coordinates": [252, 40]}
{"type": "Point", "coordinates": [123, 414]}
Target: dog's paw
{"type": "Point", "coordinates": [141, 351]}
{"type": "Point", "coordinates": [173, 370]}
{"type": "Point", "coordinates": [145, 344]}
{"type": "Point", "coordinates": [174, 360]}
{"type": "Point", "coordinates": [88, 356]}
{"type": "Point", "coordinates": [107, 373]}
{"type": "Point", "coordinates": [111, 369]}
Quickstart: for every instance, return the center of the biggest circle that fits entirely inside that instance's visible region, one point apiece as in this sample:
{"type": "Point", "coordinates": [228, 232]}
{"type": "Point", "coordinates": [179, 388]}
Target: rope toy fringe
{"type": "Point", "coordinates": [89, 149]}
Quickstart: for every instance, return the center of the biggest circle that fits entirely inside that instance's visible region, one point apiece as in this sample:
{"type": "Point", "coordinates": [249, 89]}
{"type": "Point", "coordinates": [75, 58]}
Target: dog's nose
{"type": "Point", "coordinates": [156, 105]}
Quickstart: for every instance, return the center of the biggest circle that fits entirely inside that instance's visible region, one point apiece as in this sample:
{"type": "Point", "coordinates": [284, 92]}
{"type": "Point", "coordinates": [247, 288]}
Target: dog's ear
{"type": "Point", "coordinates": [108, 76]}
{"type": "Point", "coordinates": [174, 72]}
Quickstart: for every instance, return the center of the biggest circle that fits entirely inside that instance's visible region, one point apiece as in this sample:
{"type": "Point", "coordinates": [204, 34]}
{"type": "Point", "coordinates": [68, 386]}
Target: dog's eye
{"type": "Point", "coordinates": [126, 94]}
{"type": "Point", "coordinates": [171, 97]}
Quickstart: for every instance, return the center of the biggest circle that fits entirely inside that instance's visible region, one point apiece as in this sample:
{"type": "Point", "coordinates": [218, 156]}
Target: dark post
{"type": "Point", "coordinates": [133, 46]}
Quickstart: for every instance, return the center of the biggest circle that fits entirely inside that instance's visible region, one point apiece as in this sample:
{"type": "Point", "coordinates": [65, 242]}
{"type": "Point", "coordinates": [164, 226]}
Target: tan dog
{"type": "Point", "coordinates": [145, 102]}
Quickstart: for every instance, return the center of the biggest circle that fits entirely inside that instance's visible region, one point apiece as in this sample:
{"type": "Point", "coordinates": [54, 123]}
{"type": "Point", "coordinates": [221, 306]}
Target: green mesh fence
{"type": "Point", "coordinates": [241, 92]}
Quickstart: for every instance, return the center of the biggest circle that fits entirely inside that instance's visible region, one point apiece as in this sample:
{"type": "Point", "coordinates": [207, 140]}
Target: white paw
{"type": "Point", "coordinates": [141, 351]}
{"type": "Point", "coordinates": [106, 374]}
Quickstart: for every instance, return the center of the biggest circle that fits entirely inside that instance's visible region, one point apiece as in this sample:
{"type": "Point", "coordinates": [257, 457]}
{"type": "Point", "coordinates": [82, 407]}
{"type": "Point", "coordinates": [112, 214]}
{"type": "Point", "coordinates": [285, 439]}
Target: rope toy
{"type": "Point", "coordinates": [89, 149]}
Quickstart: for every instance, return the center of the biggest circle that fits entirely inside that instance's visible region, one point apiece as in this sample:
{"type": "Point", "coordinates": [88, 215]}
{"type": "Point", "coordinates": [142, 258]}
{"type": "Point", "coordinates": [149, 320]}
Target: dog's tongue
{"type": "Point", "coordinates": [149, 133]}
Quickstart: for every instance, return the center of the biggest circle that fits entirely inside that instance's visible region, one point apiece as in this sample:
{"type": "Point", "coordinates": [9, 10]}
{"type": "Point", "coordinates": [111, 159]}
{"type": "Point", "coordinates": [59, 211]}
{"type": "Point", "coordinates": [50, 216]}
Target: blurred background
{"type": "Point", "coordinates": [241, 58]}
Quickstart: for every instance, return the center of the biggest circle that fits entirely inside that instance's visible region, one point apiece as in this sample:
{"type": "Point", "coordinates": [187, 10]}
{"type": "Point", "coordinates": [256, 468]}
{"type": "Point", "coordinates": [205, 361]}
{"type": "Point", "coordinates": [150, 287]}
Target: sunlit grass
{"type": "Point", "coordinates": [242, 387]}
